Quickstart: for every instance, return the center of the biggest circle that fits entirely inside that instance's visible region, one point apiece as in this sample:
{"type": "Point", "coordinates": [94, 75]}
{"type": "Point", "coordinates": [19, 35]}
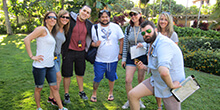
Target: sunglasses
{"type": "Point", "coordinates": [148, 31]}
{"type": "Point", "coordinates": [67, 17]}
{"type": "Point", "coordinates": [102, 11]}
{"type": "Point", "coordinates": [133, 14]}
{"type": "Point", "coordinates": [50, 17]}
{"type": "Point", "coordinates": [166, 12]}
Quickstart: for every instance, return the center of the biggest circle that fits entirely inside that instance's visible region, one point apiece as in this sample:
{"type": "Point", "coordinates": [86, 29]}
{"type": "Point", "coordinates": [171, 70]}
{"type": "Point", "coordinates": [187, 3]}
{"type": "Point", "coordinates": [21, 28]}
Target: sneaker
{"type": "Point", "coordinates": [67, 98]}
{"type": "Point", "coordinates": [63, 108]}
{"type": "Point", "coordinates": [126, 105]}
{"type": "Point", "coordinates": [39, 109]}
{"type": "Point", "coordinates": [52, 101]}
{"type": "Point", "coordinates": [83, 95]}
{"type": "Point", "coordinates": [142, 105]}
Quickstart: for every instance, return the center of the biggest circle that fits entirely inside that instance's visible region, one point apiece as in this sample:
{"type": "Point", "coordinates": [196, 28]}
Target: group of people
{"type": "Point", "coordinates": [72, 34]}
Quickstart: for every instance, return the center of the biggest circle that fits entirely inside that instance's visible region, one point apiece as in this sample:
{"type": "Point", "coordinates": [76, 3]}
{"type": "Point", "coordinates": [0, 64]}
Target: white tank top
{"type": "Point", "coordinates": [45, 47]}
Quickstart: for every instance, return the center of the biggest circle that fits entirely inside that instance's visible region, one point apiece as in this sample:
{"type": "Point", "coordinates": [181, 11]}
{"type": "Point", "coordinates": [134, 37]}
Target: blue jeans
{"type": "Point", "coordinates": [57, 63]}
{"type": "Point", "coordinates": [41, 73]}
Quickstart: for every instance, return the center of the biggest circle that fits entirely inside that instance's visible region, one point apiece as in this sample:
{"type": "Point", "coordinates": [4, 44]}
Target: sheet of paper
{"type": "Point", "coordinates": [189, 86]}
{"type": "Point", "coordinates": [136, 52]}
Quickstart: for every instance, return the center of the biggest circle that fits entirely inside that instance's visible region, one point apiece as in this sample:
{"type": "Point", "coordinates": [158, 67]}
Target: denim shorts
{"type": "Point", "coordinates": [41, 73]}
{"type": "Point", "coordinates": [130, 62]}
{"type": "Point", "coordinates": [108, 68]}
{"type": "Point", "coordinates": [57, 63]}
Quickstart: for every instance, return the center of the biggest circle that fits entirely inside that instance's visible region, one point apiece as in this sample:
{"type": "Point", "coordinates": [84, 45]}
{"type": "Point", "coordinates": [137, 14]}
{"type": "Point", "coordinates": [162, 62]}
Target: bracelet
{"type": "Point", "coordinates": [120, 54]}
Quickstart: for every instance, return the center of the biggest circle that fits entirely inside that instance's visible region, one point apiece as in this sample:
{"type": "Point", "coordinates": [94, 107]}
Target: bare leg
{"type": "Point", "coordinates": [111, 87]}
{"type": "Point", "coordinates": [66, 84]}
{"type": "Point", "coordinates": [141, 75]}
{"type": "Point", "coordinates": [136, 93]}
{"type": "Point", "coordinates": [130, 70]}
{"type": "Point", "coordinates": [80, 82]}
{"type": "Point", "coordinates": [59, 78]}
{"type": "Point", "coordinates": [95, 87]}
{"type": "Point", "coordinates": [159, 100]}
{"type": "Point", "coordinates": [56, 94]}
{"type": "Point", "coordinates": [37, 96]}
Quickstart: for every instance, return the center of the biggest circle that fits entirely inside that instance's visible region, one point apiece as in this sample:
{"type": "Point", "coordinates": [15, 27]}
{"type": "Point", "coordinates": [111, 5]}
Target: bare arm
{"type": "Point", "coordinates": [39, 31]}
{"type": "Point", "coordinates": [165, 75]}
{"type": "Point", "coordinates": [121, 48]}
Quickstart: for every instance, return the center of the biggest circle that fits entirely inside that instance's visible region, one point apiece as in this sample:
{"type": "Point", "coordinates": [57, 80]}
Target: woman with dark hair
{"type": "Point", "coordinates": [63, 23]}
{"type": "Point", "coordinates": [132, 38]}
{"type": "Point", "coordinates": [43, 65]}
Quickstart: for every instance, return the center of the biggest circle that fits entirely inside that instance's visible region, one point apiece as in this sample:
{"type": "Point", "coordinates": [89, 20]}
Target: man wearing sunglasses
{"type": "Point", "coordinates": [109, 52]}
{"type": "Point", "coordinates": [77, 42]}
{"type": "Point", "coordinates": [165, 60]}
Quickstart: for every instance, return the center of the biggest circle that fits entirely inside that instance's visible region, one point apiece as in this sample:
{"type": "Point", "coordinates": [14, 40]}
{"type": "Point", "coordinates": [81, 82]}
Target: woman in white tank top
{"type": "Point", "coordinates": [43, 65]}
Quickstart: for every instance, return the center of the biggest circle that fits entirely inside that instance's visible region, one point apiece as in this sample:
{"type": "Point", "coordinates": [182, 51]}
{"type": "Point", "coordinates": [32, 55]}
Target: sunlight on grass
{"type": "Point", "coordinates": [2, 37]}
{"type": "Point", "coordinates": [110, 106]}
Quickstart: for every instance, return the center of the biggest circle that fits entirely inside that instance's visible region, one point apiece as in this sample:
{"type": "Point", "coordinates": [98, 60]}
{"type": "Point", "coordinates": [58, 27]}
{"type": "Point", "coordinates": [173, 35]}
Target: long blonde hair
{"type": "Point", "coordinates": [65, 27]}
{"type": "Point", "coordinates": [169, 28]}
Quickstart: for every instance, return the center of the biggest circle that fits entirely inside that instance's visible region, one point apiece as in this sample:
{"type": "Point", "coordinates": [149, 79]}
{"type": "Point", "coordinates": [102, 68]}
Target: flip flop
{"type": "Point", "coordinates": [93, 99]}
{"type": "Point", "coordinates": [110, 98]}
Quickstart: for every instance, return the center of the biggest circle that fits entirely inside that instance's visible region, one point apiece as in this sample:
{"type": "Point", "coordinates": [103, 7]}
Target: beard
{"type": "Point", "coordinates": [104, 23]}
{"type": "Point", "coordinates": [151, 39]}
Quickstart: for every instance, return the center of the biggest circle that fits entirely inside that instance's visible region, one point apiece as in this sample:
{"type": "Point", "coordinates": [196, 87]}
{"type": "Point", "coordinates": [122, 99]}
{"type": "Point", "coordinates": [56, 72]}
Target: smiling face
{"type": "Point", "coordinates": [64, 19]}
{"type": "Point", "coordinates": [135, 17]}
{"type": "Point", "coordinates": [163, 21]}
{"type": "Point", "coordinates": [51, 20]}
{"type": "Point", "coordinates": [104, 19]}
{"type": "Point", "coordinates": [84, 13]}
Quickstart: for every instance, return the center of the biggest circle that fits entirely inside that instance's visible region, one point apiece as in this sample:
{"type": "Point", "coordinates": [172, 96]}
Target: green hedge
{"type": "Point", "coordinates": [201, 54]}
{"type": "Point", "coordinates": [194, 32]}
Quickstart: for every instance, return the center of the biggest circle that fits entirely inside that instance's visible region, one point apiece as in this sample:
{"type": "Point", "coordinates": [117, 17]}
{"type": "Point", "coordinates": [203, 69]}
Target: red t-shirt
{"type": "Point", "coordinates": [79, 34]}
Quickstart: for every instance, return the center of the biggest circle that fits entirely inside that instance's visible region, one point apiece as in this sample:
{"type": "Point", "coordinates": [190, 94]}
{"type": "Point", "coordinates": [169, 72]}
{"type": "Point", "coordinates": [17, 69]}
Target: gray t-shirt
{"type": "Point", "coordinates": [60, 39]}
{"type": "Point", "coordinates": [174, 37]}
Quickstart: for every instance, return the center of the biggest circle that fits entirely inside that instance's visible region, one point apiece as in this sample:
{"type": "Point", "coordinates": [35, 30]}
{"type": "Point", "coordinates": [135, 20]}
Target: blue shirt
{"type": "Point", "coordinates": [164, 52]}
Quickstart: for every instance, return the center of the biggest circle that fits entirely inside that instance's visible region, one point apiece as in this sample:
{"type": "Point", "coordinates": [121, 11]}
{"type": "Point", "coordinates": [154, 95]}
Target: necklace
{"type": "Point", "coordinates": [136, 34]}
{"type": "Point", "coordinates": [80, 33]}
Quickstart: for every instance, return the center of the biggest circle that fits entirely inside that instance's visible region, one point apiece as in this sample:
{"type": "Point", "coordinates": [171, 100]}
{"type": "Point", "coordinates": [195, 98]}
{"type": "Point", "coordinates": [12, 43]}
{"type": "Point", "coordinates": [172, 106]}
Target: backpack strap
{"type": "Point", "coordinates": [128, 29]}
{"type": "Point", "coordinates": [96, 28]}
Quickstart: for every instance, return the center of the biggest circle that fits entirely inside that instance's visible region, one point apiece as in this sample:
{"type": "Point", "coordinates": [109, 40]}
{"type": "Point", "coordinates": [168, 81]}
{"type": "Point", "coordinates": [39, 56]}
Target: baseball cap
{"type": "Point", "coordinates": [136, 10]}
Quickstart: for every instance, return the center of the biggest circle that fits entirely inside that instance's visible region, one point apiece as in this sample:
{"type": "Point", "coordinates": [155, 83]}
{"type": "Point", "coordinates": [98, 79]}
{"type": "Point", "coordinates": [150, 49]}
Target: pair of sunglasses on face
{"type": "Point", "coordinates": [133, 14]}
{"type": "Point", "coordinates": [67, 17]}
{"type": "Point", "coordinates": [50, 17]}
{"type": "Point", "coordinates": [148, 31]}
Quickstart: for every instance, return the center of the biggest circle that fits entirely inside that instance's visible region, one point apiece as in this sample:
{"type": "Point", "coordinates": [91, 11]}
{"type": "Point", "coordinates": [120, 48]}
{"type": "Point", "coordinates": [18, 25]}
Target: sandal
{"type": "Point", "coordinates": [93, 99]}
{"type": "Point", "coordinates": [110, 98]}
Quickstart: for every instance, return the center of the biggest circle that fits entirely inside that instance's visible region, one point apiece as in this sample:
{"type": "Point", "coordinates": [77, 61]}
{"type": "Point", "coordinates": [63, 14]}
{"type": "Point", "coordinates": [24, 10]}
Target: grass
{"type": "Point", "coordinates": [17, 85]}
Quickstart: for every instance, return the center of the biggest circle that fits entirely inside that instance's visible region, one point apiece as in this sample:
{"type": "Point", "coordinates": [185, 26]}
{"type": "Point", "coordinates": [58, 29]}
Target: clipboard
{"type": "Point", "coordinates": [189, 86]}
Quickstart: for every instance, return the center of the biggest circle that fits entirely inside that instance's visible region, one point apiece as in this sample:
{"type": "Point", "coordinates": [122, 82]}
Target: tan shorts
{"type": "Point", "coordinates": [170, 103]}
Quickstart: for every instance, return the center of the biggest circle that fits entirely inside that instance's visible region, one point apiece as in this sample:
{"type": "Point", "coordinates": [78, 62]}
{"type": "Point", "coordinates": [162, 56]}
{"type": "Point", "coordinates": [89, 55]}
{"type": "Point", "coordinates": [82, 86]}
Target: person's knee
{"type": "Point", "coordinates": [54, 88]}
{"type": "Point", "coordinates": [131, 94]}
{"type": "Point", "coordinates": [38, 89]}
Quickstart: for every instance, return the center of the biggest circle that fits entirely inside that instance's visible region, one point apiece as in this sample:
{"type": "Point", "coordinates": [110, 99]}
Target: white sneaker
{"type": "Point", "coordinates": [63, 108]}
{"type": "Point", "coordinates": [126, 105]}
{"type": "Point", "coordinates": [142, 105]}
{"type": "Point", "coordinates": [39, 109]}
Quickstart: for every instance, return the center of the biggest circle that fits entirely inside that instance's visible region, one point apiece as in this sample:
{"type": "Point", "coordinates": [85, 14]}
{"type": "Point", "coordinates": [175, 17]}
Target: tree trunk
{"type": "Point", "coordinates": [186, 13]}
{"type": "Point", "coordinates": [199, 13]}
{"type": "Point", "coordinates": [62, 3]}
{"type": "Point", "coordinates": [7, 21]}
{"type": "Point", "coordinates": [160, 6]}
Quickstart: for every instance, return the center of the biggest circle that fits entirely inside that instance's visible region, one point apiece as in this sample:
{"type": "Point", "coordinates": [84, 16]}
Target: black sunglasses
{"type": "Point", "coordinates": [133, 14]}
{"type": "Point", "coordinates": [50, 17]}
{"type": "Point", "coordinates": [148, 31]}
{"type": "Point", "coordinates": [67, 17]}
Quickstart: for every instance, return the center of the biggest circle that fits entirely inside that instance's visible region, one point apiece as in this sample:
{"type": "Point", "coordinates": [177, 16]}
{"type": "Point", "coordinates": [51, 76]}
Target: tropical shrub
{"type": "Point", "coordinates": [201, 54]}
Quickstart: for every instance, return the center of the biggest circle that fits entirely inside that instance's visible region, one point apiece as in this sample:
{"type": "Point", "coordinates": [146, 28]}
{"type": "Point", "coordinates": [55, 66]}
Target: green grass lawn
{"type": "Point", "coordinates": [17, 85]}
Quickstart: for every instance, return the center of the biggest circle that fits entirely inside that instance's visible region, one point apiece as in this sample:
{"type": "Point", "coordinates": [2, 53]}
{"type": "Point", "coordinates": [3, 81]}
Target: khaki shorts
{"type": "Point", "coordinates": [170, 103]}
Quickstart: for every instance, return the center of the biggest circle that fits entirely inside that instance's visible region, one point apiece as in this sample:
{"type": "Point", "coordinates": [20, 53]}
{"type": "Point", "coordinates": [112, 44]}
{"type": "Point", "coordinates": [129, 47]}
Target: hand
{"type": "Point", "coordinates": [140, 65]}
{"type": "Point", "coordinates": [139, 45]}
{"type": "Point", "coordinates": [123, 64]}
{"type": "Point", "coordinates": [37, 58]}
{"type": "Point", "coordinates": [98, 43]}
{"type": "Point", "coordinates": [119, 57]}
{"type": "Point", "coordinates": [176, 84]}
